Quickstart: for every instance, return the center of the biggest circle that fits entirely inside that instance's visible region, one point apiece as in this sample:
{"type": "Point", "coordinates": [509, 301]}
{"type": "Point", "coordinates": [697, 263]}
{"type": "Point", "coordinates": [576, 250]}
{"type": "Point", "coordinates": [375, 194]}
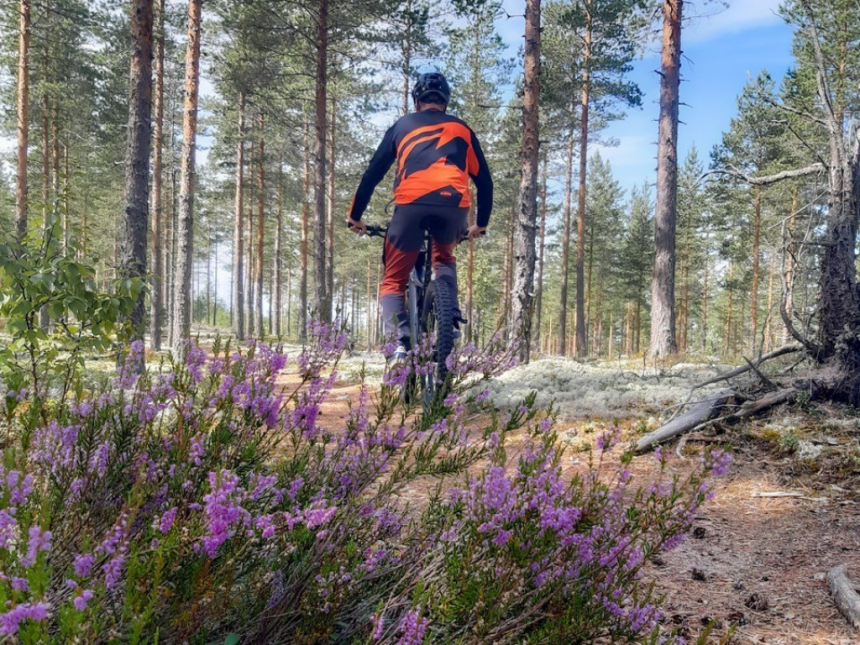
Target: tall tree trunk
{"type": "Point", "coordinates": [789, 263]}
{"type": "Point", "coordinates": [322, 301]}
{"type": "Point", "coordinates": [261, 214]}
{"type": "Point", "coordinates": [22, 120]}
{"type": "Point", "coordinates": [251, 246]}
{"type": "Point", "coordinates": [705, 289]}
{"type": "Point", "coordinates": [306, 207]}
{"type": "Point", "coordinates": [137, 151]}
{"type": "Point", "coordinates": [767, 326]}
{"type": "Point", "coordinates": [329, 240]}
{"type": "Point", "coordinates": [185, 228]}
{"type": "Point", "coordinates": [730, 294]}
{"type": "Point", "coordinates": [275, 320]}
{"type": "Point", "coordinates": [526, 216]}
{"type": "Point", "coordinates": [239, 229]}
{"type": "Point", "coordinates": [755, 269]}
{"type": "Point", "coordinates": [581, 340]}
{"type": "Point", "coordinates": [156, 299]}
{"type": "Point", "coordinates": [66, 197]}
{"type": "Point", "coordinates": [565, 243]}
{"type": "Point", "coordinates": [663, 287]}
{"type": "Point", "coordinates": [541, 249]}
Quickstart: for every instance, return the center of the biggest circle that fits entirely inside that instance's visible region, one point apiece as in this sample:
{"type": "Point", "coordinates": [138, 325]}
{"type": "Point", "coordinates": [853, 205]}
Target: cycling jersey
{"type": "Point", "coordinates": [436, 154]}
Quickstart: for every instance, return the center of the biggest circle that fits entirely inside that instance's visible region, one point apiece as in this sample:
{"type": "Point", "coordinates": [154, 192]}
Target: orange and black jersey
{"type": "Point", "coordinates": [436, 153]}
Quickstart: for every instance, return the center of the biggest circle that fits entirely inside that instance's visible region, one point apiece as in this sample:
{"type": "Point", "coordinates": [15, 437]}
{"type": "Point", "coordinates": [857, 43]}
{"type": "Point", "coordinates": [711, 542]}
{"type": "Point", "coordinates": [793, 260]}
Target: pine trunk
{"type": "Point", "coordinates": [275, 321]}
{"type": "Point", "coordinates": [185, 224]}
{"type": "Point", "coordinates": [22, 117]}
{"type": "Point", "coordinates": [306, 207]}
{"type": "Point", "coordinates": [261, 214]}
{"type": "Point", "coordinates": [541, 250]}
{"type": "Point", "coordinates": [156, 299]}
{"type": "Point", "coordinates": [138, 142]}
{"type": "Point", "coordinates": [581, 340]}
{"type": "Point", "coordinates": [663, 287]}
{"type": "Point", "coordinates": [755, 270]}
{"type": "Point", "coordinates": [565, 244]}
{"type": "Point", "coordinates": [329, 266]}
{"type": "Point", "coordinates": [239, 230]}
{"type": "Point", "coordinates": [526, 215]}
{"type": "Point", "coordinates": [789, 264]}
{"type": "Point", "coordinates": [322, 302]}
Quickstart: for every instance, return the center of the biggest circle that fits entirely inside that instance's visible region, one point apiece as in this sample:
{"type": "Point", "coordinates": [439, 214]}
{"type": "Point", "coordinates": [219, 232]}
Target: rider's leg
{"type": "Point", "coordinates": [447, 228]}
{"type": "Point", "coordinates": [400, 252]}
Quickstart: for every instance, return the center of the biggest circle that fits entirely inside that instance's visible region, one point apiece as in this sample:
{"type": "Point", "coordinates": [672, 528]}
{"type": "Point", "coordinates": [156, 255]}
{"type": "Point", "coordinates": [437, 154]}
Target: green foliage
{"type": "Point", "coordinates": [54, 312]}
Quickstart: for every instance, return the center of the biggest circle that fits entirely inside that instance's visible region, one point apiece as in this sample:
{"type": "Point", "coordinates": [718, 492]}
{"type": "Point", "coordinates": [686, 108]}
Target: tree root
{"type": "Point", "coordinates": [844, 595]}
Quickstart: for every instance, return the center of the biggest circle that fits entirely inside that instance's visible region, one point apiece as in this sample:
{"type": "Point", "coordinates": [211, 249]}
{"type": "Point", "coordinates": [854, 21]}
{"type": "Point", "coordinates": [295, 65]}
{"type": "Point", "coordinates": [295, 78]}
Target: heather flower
{"type": "Point", "coordinates": [412, 628]}
{"type": "Point", "coordinates": [12, 619]}
{"type": "Point", "coordinates": [80, 601]}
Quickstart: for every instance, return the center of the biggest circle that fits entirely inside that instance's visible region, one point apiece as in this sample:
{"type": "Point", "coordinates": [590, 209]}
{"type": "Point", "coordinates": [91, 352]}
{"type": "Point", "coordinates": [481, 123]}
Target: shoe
{"type": "Point", "coordinates": [399, 357]}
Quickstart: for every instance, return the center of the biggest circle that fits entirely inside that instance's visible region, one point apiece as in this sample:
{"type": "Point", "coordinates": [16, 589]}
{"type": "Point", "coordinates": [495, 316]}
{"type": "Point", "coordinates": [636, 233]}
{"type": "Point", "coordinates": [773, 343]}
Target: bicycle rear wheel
{"type": "Point", "coordinates": [437, 321]}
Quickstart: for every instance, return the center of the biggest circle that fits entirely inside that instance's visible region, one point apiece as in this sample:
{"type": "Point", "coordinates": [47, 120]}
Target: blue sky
{"type": "Point", "coordinates": [723, 48]}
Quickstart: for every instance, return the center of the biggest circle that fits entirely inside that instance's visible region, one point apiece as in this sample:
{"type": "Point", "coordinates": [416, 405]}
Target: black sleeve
{"type": "Point", "coordinates": [483, 184]}
{"type": "Point", "coordinates": [375, 173]}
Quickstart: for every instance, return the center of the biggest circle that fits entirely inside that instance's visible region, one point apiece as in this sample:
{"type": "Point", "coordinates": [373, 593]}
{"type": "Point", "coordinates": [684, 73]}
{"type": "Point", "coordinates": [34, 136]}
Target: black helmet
{"type": "Point", "coordinates": [431, 85]}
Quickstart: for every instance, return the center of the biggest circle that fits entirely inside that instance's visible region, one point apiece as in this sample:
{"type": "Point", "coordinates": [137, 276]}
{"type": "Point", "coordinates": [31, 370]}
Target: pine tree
{"type": "Point", "coordinates": [663, 341]}
{"type": "Point", "coordinates": [137, 156]}
{"type": "Point", "coordinates": [526, 221]}
{"type": "Point", "coordinates": [185, 230]}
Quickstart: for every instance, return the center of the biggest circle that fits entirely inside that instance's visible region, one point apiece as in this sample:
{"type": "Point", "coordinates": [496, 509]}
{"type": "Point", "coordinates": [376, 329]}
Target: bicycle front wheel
{"type": "Point", "coordinates": [437, 321]}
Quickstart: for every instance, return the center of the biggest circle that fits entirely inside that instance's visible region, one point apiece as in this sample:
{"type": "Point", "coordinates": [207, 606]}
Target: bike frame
{"type": "Point", "coordinates": [419, 280]}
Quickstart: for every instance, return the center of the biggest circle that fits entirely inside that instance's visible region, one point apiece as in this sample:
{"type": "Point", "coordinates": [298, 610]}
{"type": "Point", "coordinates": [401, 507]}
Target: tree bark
{"type": "Point", "coordinates": [322, 303]}
{"type": "Point", "coordinates": [755, 269]}
{"type": "Point", "coordinates": [22, 121]}
{"type": "Point", "coordinates": [275, 321]}
{"type": "Point", "coordinates": [156, 300]}
{"type": "Point", "coordinates": [137, 151]}
{"type": "Point", "coordinates": [565, 244]}
{"type": "Point", "coordinates": [541, 250]}
{"type": "Point", "coordinates": [329, 240]}
{"type": "Point", "coordinates": [663, 287]}
{"type": "Point", "coordinates": [306, 207]}
{"type": "Point", "coordinates": [581, 340]}
{"type": "Point", "coordinates": [239, 230]}
{"type": "Point", "coordinates": [185, 228]}
{"type": "Point", "coordinates": [526, 216]}
{"type": "Point", "coordinates": [261, 214]}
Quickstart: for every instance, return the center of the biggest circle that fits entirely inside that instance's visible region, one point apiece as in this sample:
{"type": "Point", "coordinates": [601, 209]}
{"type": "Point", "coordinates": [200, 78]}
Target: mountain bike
{"type": "Point", "coordinates": [430, 305]}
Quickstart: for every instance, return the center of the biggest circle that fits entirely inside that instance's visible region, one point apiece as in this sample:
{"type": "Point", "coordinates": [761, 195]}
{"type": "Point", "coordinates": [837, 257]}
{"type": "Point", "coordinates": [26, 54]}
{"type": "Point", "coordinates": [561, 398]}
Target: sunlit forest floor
{"type": "Point", "coordinates": [755, 560]}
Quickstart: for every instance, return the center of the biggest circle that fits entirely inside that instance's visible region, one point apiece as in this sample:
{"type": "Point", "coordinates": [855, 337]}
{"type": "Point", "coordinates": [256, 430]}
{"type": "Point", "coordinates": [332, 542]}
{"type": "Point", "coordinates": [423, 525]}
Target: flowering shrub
{"type": "Point", "coordinates": [206, 500]}
{"type": "Point", "coordinates": [521, 555]}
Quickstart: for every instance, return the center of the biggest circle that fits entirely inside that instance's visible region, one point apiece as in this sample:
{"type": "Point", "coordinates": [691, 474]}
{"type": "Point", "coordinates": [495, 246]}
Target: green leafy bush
{"type": "Point", "coordinates": [54, 312]}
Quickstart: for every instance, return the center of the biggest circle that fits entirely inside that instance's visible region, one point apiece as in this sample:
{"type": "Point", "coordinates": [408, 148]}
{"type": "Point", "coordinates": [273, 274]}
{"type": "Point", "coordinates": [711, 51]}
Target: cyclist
{"type": "Point", "coordinates": [436, 153]}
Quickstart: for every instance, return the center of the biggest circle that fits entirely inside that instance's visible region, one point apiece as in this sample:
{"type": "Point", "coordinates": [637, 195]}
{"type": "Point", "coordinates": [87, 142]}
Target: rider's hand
{"type": "Point", "coordinates": [476, 231]}
{"type": "Point", "coordinates": [357, 227]}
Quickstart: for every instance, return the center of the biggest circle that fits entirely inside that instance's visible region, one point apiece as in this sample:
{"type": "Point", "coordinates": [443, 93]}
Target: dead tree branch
{"type": "Point", "coordinates": [844, 595]}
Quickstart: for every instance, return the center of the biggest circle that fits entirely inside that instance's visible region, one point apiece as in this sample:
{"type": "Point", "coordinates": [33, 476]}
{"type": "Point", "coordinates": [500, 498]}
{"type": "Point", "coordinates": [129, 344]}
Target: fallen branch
{"type": "Point", "coordinates": [705, 414]}
{"type": "Point", "coordinates": [782, 351]}
{"type": "Point", "coordinates": [767, 401]}
{"type": "Point", "coordinates": [844, 595]}
{"type": "Point", "coordinates": [698, 414]}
